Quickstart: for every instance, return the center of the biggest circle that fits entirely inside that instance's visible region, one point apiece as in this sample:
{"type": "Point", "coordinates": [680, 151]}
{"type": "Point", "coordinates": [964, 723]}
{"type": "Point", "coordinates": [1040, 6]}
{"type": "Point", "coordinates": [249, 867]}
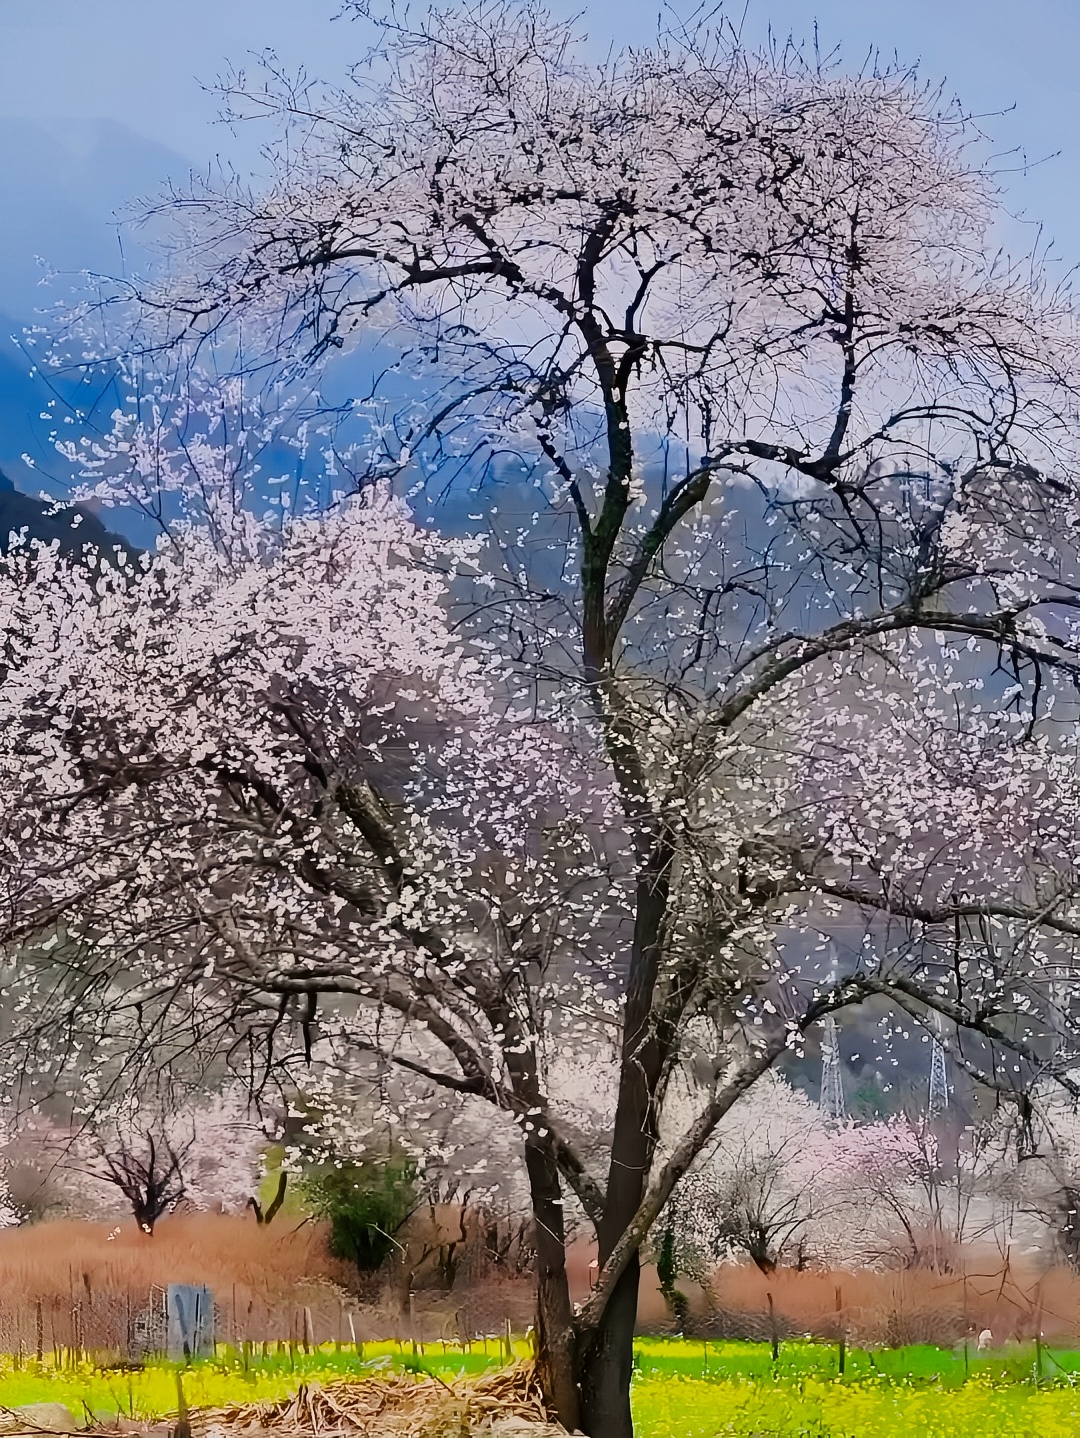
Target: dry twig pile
{"type": "Point", "coordinates": [403, 1406]}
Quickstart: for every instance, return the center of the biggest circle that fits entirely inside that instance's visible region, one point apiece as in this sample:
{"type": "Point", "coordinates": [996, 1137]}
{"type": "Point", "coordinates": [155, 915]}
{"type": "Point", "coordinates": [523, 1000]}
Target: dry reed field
{"type": "Point", "coordinates": [76, 1285]}
{"type": "Point", "coordinates": [93, 1287]}
{"type": "Point", "coordinates": [36, 1260]}
{"type": "Point", "coordinates": [892, 1308]}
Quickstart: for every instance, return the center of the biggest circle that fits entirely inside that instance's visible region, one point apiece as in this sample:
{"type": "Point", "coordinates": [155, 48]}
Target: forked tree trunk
{"type": "Point", "coordinates": [554, 1313]}
{"type": "Point", "coordinates": [607, 1366]}
{"type": "Point", "coordinates": [589, 1383]}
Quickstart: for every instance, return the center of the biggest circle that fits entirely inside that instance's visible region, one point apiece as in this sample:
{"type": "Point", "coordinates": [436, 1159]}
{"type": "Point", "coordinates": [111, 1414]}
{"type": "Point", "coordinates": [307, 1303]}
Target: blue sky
{"type": "Point", "coordinates": [67, 66]}
{"type": "Point", "coordinates": [138, 63]}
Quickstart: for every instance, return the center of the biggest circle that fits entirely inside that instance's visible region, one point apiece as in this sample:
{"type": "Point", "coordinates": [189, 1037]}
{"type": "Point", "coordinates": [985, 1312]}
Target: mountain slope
{"type": "Point", "coordinates": [74, 526]}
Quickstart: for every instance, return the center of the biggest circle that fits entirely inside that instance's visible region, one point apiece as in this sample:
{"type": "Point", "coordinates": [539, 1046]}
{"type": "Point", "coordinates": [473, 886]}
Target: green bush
{"type": "Point", "coordinates": [365, 1204]}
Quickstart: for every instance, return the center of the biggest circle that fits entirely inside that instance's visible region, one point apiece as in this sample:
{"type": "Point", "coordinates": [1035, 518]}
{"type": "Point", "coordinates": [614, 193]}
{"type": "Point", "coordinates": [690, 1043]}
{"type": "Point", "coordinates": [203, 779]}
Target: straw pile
{"type": "Point", "coordinates": [400, 1406]}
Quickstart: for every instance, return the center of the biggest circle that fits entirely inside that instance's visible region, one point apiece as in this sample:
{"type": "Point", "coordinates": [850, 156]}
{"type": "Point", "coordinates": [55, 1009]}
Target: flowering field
{"type": "Point", "coordinates": [722, 1390]}
{"type": "Point", "coordinates": [150, 1392]}
{"type": "Point", "coordinates": [683, 1387]}
{"type": "Point", "coordinates": [815, 1408]}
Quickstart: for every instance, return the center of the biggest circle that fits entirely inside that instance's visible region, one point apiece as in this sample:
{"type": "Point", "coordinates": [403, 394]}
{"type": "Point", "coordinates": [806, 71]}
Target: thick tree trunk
{"type": "Point", "coordinates": [607, 1365]}
{"type": "Point", "coordinates": [554, 1313]}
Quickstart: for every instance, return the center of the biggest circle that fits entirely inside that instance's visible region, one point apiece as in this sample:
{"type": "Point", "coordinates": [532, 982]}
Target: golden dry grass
{"type": "Point", "coordinates": [72, 1284]}
{"type": "Point", "coordinates": [270, 1282]}
{"type": "Point", "coordinates": [69, 1257]}
{"type": "Point", "coordinates": [881, 1308]}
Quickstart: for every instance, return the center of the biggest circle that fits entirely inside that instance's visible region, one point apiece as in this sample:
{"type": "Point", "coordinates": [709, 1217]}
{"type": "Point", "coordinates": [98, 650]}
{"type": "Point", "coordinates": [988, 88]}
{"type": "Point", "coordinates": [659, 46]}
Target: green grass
{"type": "Point", "coordinates": [712, 1390]}
{"type": "Point", "coordinates": [682, 1388]}
{"type": "Point", "coordinates": [818, 1408]}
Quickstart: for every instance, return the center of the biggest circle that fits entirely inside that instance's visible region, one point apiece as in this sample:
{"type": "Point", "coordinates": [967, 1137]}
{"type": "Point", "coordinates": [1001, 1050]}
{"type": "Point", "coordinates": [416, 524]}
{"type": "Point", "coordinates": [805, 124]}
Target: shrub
{"type": "Point", "coordinates": [365, 1204]}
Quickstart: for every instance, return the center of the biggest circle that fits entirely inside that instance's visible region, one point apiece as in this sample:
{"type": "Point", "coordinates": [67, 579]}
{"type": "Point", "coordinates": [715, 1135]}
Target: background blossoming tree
{"type": "Point", "coordinates": [163, 1155]}
{"type": "Point", "coordinates": [755, 707]}
{"type": "Point", "coordinates": [781, 1185]}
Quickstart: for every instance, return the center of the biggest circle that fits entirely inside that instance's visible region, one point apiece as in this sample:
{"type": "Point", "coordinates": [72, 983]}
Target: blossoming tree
{"type": "Point", "coordinates": [755, 707]}
{"type": "Point", "coordinates": [782, 1185]}
{"type": "Point", "coordinates": [760, 1186]}
{"type": "Point", "coordinates": [161, 1152]}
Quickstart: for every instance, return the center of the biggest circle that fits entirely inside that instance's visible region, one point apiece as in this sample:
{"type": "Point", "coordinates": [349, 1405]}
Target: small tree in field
{"type": "Point", "coordinates": [365, 1205]}
{"type": "Point", "coordinates": [147, 1169]}
{"type": "Point", "coordinates": [266, 1213]}
{"type": "Point", "coordinates": [758, 1189]}
{"type": "Point", "coordinates": [204, 1156]}
{"type": "Point", "coordinates": [755, 706]}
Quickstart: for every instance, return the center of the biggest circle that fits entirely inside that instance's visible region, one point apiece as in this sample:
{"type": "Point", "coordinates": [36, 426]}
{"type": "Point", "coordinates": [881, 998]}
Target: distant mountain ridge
{"type": "Point", "coordinates": [64, 185]}
{"type": "Point", "coordinates": [73, 525]}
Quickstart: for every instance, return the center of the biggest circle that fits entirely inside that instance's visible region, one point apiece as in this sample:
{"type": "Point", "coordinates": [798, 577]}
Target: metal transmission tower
{"type": "Point", "coordinates": [832, 1080]}
{"type": "Point", "coordinates": [938, 1095]}
{"type": "Point", "coordinates": [1059, 994]}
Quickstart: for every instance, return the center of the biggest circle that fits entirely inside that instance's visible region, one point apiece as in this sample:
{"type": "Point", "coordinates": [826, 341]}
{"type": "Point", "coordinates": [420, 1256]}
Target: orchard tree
{"type": "Point", "coordinates": [160, 1155]}
{"type": "Point", "coordinates": [898, 1198]}
{"type": "Point", "coordinates": [148, 1169]}
{"type": "Point", "coordinates": [758, 703]}
{"type": "Point", "coordinates": [915, 1207]}
{"type": "Point", "coordinates": [759, 1187]}
{"type": "Point", "coordinates": [782, 1185]}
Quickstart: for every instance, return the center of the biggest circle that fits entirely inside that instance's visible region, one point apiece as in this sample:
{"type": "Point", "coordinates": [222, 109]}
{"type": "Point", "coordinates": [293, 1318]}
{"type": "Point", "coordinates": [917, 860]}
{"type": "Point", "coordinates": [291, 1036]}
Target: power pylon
{"type": "Point", "coordinates": [938, 1094]}
{"type": "Point", "coordinates": [832, 1079]}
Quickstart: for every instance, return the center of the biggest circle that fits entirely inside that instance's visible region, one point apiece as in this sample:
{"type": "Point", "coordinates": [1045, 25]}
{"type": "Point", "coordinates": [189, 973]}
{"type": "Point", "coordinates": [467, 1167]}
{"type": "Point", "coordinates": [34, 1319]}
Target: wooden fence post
{"type": "Point", "coordinates": [841, 1349]}
{"type": "Point", "coordinates": [183, 1422]}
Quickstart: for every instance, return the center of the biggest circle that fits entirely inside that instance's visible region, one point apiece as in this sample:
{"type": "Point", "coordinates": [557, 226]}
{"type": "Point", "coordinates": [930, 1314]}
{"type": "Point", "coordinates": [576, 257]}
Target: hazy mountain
{"type": "Point", "coordinates": [63, 184]}
{"type": "Point", "coordinates": [75, 526]}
